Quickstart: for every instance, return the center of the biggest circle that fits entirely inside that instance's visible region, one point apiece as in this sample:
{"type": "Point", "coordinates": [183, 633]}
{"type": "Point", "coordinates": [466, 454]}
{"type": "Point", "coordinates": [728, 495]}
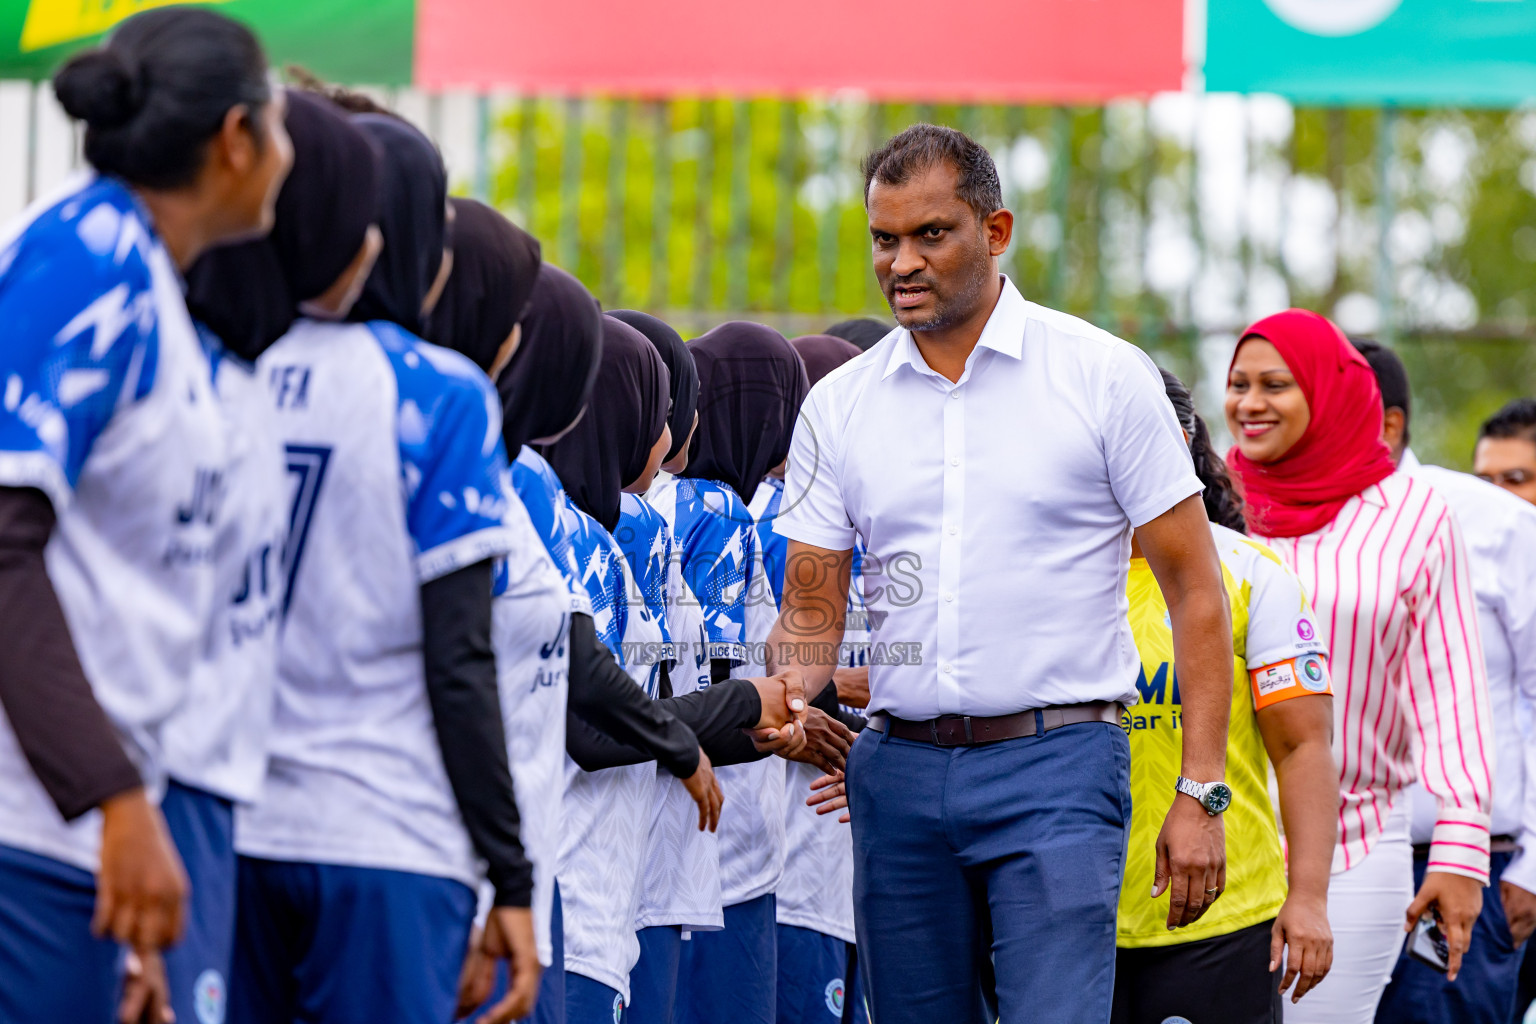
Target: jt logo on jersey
{"type": "Point", "coordinates": [202, 508]}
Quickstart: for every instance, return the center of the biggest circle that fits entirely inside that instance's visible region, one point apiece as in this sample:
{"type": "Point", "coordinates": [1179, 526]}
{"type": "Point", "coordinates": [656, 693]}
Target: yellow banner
{"type": "Point", "coordinates": [51, 22]}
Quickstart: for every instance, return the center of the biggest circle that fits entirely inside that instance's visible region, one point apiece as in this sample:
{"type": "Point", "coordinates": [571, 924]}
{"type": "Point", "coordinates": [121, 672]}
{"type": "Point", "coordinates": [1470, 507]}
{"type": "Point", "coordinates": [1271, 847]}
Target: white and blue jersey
{"type": "Point", "coordinates": [816, 891]}
{"type": "Point", "coordinates": [723, 567]}
{"type": "Point", "coordinates": [217, 740]}
{"type": "Point", "coordinates": [608, 812]}
{"type": "Point", "coordinates": [553, 518]}
{"type": "Point", "coordinates": [680, 878]}
{"type": "Point", "coordinates": [107, 407]}
{"type": "Point", "coordinates": [396, 474]}
{"type": "Point", "coordinates": [530, 631]}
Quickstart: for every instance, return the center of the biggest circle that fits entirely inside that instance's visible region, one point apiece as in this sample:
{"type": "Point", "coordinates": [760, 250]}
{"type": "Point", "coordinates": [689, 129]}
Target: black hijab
{"type": "Point", "coordinates": [611, 445]}
{"type": "Point", "coordinates": [495, 263]}
{"type": "Point", "coordinates": [751, 384]}
{"type": "Point", "coordinates": [684, 375]}
{"type": "Point", "coordinates": [862, 331]}
{"type": "Point", "coordinates": [547, 383]}
{"type": "Point", "coordinates": [413, 218]}
{"type": "Point", "coordinates": [248, 294]}
{"type": "Point", "coordinates": [823, 353]}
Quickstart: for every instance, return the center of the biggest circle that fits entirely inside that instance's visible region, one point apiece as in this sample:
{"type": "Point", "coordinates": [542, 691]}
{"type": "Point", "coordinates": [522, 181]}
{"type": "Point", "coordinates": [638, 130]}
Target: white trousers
{"type": "Point", "coordinates": [1366, 906]}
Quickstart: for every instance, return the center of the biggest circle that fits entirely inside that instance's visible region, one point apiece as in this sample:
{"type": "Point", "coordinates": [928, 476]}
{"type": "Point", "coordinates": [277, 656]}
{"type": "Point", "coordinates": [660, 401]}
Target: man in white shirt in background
{"type": "Point", "coordinates": [1500, 532]}
{"type": "Point", "coordinates": [999, 455]}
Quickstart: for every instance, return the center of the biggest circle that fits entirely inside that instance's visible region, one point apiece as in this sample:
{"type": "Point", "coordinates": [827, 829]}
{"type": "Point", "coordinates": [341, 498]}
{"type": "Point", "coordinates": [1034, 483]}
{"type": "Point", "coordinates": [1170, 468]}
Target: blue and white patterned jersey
{"type": "Point", "coordinates": [816, 890]}
{"type": "Point", "coordinates": [217, 740]}
{"type": "Point", "coordinates": [723, 566]}
{"type": "Point", "coordinates": [607, 813]}
{"type": "Point", "coordinates": [553, 518]}
{"type": "Point", "coordinates": [530, 632]}
{"type": "Point", "coordinates": [107, 407]}
{"type": "Point", "coordinates": [680, 879]}
{"type": "Point", "coordinates": [396, 473]}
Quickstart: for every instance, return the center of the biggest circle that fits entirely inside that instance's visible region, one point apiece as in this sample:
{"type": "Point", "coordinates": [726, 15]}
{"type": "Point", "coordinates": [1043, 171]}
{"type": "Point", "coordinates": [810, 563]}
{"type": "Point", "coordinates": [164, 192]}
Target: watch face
{"type": "Point", "coordinates": [1218, 797]}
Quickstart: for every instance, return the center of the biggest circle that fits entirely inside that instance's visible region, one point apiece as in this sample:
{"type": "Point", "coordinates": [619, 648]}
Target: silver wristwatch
{"type": "Point", "coordinates": [1215, 797]}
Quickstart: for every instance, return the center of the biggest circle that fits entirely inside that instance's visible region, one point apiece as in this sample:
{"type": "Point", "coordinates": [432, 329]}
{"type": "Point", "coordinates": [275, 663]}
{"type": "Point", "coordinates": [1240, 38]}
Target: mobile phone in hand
{"type": "Point", "coordinates": [1428, 944]}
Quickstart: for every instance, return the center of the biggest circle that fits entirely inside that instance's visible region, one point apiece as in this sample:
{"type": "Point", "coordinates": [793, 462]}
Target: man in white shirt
{"type": "Point", "coordinates": [993, 457]}
{"type": "Point", "coordinates": [1500, 532]}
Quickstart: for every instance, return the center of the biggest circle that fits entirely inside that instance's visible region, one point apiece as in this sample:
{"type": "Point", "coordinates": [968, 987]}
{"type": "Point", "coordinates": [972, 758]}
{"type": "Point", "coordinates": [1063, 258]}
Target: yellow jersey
{"type": "Point", "coordinates": [1278, 655]}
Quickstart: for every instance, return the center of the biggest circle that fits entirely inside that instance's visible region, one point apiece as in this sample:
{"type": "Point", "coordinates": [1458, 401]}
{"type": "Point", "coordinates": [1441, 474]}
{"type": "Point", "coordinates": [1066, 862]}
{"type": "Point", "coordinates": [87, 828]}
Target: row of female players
{"type": "Point", "coordinates": [319, 707]}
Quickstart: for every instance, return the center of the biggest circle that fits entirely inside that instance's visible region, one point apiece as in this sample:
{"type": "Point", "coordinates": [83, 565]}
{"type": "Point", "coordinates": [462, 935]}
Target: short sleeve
{"type": "Point", "coordinates": [814, 512]}
{"type": "Point", "coordinates": [453, 463]}
{"type": "Point", "coordinates": [1281, 623]}
{"type": "Point", "coordinates": [1150, 469]}
{"type": "Point", "coordinates": [719, 548]}
{"type": "Point", "coordinates": [81, 339]}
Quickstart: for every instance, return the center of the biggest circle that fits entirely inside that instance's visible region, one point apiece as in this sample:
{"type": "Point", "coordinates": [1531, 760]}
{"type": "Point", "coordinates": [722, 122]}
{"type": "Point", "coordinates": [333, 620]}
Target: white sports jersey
{"type": "Point", "coordinates": [107, 407]}
{"type": "Point", "coordinates": [396, 470]}
{"type": "Point", "coordinates": [530, 627]}
{"type": "Point", "coordinates": [816, 890]}
{"type": "Point", "coordinates": [217, 740]}
{"type": "Point", "coordinates": [680, 879]}
{"type": "Point", "coordinates": [607, 813]}
{"type": "Point", "coordinates": [722, 564]}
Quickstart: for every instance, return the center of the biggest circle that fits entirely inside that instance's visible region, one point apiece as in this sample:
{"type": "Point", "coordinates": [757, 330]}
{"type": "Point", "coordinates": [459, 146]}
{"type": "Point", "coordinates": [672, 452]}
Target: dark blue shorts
{"type": "Point", "coordinates": [816, 985]}
{"type": "Point", "coordinates": [51, 969]}
{"type": "Point", "coordinates": [591, 1002]}
{"type": "Point", "coordinates": [654, 980]}
{"type": "Point", "coordinates": [346, 945]}
{"type": "Point", "coordinates": [198, 967]}
{"type": "Point", "coordinates": [732, 974]}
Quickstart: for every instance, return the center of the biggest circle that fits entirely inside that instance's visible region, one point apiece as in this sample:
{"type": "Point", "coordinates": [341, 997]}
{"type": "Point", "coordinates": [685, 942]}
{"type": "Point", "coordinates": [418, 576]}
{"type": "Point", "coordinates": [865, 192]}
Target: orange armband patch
{"type": "Point", "coordinates": [1294, 677]}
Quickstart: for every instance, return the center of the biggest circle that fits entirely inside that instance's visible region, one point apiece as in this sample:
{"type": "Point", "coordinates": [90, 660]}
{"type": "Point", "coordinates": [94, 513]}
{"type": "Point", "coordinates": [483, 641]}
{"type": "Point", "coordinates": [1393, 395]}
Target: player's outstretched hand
{"type": "Point", "coordinates": [824, 742]}
{"type": "Point", "coordinates": [705, 790]}
{"type": "Point", "coordinates": [146, 995]}
{"type": "Point", "coordinates": [783, 698]}
{"type": "Point", "coordinates": [508, 936]}
{"type": "Point", "coordinates": [141, 891]}
{"type": "Point", "coordinates": [830, 794]}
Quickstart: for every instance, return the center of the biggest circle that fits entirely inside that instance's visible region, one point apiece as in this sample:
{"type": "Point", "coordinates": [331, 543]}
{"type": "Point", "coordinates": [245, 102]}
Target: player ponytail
{"type": "Point", "coordinates": [1223, 504]}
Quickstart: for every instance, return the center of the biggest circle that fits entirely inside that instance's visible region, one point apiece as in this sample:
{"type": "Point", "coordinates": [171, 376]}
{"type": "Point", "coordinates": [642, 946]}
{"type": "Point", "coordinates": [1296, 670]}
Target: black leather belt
{"type": "Point", "coordinates": [972, 730]}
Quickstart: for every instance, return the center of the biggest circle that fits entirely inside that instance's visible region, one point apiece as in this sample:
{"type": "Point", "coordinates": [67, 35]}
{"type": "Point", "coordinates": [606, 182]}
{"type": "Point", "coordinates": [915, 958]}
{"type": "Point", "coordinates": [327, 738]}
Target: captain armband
{"type": "Point", "coordinates": [1294, 677]}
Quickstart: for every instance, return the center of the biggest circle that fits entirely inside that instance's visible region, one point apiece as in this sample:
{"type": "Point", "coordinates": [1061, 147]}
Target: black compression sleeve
{"type": "Point", "coordinates": [826, 700]}
{"type": "Point", "coordinates": [466, 712]}
{"type": "Point", "coordinates": [716, 716]}
{"type": "Point", "coordinates": [62, 729]}
{"type": "Point", "coordinates": [602, 695]}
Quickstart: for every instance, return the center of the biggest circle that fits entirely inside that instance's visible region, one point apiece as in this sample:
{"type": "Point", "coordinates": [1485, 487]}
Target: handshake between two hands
{"type": "Point", "coordinates": [792, 729]}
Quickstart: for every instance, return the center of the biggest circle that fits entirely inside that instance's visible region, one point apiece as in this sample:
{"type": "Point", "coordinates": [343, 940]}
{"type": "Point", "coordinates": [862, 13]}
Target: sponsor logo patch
{"type": "Point", "coordinates": [618, 1009]}
{"type": "Point", "coordinates": [209, 997]}
{"type": "Point", "coordinates": [1274, 678]}
{"type": "Point", "coordinates": [1312, 674]}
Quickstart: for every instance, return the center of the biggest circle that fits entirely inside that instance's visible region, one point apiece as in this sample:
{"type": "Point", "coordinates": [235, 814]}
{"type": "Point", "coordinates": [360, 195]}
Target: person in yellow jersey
{"type": "Point", "coordinates": [1270, 926]}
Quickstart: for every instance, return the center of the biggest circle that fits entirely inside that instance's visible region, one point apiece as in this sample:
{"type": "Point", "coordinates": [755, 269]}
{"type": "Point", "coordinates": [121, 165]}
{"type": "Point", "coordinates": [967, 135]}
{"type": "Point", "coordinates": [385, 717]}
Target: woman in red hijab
{"type": "Point", "coordinates": [1386, 567]}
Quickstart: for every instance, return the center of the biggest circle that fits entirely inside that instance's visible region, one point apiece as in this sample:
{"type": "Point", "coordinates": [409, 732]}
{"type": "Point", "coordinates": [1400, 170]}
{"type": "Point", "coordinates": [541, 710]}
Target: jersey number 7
{"type": "Point", "coordinates": [307, 463]}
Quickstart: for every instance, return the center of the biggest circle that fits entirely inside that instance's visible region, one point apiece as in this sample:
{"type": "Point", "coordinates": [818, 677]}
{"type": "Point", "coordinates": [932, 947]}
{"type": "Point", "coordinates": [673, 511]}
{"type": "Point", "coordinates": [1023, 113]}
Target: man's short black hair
{"type": "Point", "coordinates": [1517, 419]}
{"type": "Point", "coordinates": [1391, 376]}
{"type": "Point", "coordinates": [924, 145]}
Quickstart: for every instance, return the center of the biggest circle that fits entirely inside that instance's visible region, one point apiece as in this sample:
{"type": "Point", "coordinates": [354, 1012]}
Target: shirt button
{"type": "Point", "coordinates": [955, 394]}
{"type": "Point", "coordinates": [948, 669]}
{"type": "Point", "coordinates": [948, 596]}
{"type": "Point", "coordinates": [953, 530]}
{"type": "Point", "coordinates": [955, 461]}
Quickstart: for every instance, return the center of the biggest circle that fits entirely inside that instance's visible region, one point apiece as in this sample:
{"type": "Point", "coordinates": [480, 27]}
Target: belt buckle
{"type": "Point", "coordinates": [938, 741]}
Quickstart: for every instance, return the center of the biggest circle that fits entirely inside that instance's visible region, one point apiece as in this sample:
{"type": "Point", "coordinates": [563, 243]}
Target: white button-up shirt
{"type": "Point", "coordinates": [996, 510]}
{"type": "Point", "coordinates": [1500, 534]}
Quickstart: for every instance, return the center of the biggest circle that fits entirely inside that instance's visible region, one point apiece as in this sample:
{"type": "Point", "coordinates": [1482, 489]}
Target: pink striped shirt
{"type": "Point", "coordinates": [1392, 590]}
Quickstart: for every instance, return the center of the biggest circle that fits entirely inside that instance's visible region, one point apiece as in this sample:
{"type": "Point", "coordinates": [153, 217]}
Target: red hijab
{"type": "Point", "coordinates": [1341, 452]}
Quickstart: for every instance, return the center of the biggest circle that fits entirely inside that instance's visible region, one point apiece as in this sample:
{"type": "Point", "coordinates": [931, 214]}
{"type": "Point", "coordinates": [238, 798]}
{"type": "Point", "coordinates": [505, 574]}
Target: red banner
{"type": "Point", "coordinates": [963, 50]}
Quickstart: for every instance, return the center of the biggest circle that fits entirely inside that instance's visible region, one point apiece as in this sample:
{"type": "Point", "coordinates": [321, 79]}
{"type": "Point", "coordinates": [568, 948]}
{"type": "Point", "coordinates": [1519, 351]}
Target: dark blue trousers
{"type": "Point", "coordinates": [731, 975]}
{"type": "Point", "coordinates": [51, 968]}
{"type": "Point", "coordinates": [990, 869]}
{"type": "Point", "coordinates": [1484, 990]}
{"type": "Point", "coordinates": [653, 981]}
{"type": "Point", "coordinates": [591, 1002]}
{"type": "Point", "coordinates": [329, 944]}
{"type": "Point", "coordinates": [197, 968]}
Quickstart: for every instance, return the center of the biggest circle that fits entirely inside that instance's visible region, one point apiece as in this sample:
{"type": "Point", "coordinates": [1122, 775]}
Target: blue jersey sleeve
{"type": "Point", "coordinates": [719, 541]}
{"type": "Point", "coordinates": [451, 456]}
{"type": "Point", "coordinates": [81, 335]}
{"type": "Point", "coordinates": [646, 541]}
{"type": "Point", "coordinates": [600, 575]}
{"type": "Point", "coordinates": [774, 545]}
{"type": "Point", "coordinates": [536, 484]}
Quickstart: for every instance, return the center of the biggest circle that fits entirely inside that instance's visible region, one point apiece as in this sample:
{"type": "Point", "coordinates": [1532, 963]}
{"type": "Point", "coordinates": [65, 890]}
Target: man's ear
{"type": "Point", "coordinates": [1394, 429]}
{"type": "Point", "coordinates": [998, 226]}
{"type": "Point", "coordinates": [235, 145]}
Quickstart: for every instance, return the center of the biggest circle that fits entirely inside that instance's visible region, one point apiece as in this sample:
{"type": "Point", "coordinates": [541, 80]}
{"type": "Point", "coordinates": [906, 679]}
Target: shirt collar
{"type": "Point", "coordinates": [1004, 332]}
{"type": "Point", "coordinates": [1409, 462]}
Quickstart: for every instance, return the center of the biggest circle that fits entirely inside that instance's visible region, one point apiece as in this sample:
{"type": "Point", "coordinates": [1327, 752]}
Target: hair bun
{"type": "Point", "coordinates": [99, 88]}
